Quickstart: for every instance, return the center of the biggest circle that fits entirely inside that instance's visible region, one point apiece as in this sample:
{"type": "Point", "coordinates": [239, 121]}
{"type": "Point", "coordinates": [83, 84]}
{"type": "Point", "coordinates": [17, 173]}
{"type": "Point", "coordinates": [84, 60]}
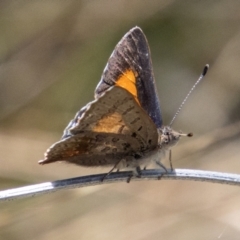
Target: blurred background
{"type": "Point", "coordinates": [52, 54]}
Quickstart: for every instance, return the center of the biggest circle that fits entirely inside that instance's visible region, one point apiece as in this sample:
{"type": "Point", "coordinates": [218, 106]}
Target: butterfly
{"type": "Point", "coordinates": [122, 127]}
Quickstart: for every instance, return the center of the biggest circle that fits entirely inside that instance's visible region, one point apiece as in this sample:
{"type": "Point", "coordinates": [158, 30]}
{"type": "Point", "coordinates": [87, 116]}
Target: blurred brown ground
{"type": "Point", "coordinates": [52, 54]}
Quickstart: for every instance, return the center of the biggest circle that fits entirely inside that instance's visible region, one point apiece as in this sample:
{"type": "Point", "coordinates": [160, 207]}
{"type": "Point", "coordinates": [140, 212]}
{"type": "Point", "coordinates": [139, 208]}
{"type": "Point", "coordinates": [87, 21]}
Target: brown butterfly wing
{"type": "Point", "coordinates": [110, 128]}
{"type": "Point", "coordinates": [130, 67]}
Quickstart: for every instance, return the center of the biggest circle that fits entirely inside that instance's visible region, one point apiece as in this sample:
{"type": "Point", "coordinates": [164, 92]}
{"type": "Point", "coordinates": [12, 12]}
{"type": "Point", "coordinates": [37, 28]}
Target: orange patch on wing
{"type": "Point", "coordinates": [128, 81]}
{"type": "Point", "coordinates": [109, 123]}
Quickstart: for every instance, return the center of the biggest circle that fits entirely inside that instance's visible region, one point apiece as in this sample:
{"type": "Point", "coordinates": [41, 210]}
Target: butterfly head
{"type": "Point", "coordinates": [169, 138]}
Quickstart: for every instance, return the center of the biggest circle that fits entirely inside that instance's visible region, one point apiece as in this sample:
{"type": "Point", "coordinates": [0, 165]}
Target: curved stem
{"type": "Point", "coordinates": [91, 180]}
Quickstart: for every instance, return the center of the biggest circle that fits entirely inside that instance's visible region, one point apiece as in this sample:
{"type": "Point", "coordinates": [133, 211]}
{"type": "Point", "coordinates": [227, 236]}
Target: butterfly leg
{"type": "Point", "coordinates": [106, 175]}
{"type": "Point", "coordinates": [145, 168]}
{"type": "Point", "coordinates": [137, 172]}
{"type": "Point", "coordinates": [170, 160]}
{"type": "Point", "coordinates": [162, 166]}
{"type": "Point", "coordinates": [129, 178]}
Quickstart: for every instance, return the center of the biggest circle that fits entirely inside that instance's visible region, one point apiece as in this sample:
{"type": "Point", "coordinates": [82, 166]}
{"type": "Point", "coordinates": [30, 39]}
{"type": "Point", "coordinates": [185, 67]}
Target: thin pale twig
{"type": "Point", "coordinates": [91, 180]}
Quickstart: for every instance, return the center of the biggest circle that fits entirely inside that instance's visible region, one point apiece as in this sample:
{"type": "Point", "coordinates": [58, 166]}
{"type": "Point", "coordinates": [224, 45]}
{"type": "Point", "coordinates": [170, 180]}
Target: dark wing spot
{"type": "Point", "coordinates": [115, 139]}
{"type": "Point", "coordinates": [114, 150]}
{"type": "Point", "coordinates": [121, 129]}
{"type": "Point", "coordinates": [126, 146]}
{"type": "Point", "coordinates": [135, 120]}
{"type": "Point", "coordinates": [134, 134]}
{"type": "Point", "coordinates": [137, 156]}
{"type": "Point", "coordinates": [128, 110]}
{"type": "Point", "coordinates": [140, 128]}
{"type": "Point", "coordinates": [99, 138]}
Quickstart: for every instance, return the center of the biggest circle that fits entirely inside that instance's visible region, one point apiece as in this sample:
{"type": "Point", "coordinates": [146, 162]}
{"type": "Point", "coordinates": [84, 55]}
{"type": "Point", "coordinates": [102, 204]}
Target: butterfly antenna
{"type": "Point", "coordinates": [204, 72]}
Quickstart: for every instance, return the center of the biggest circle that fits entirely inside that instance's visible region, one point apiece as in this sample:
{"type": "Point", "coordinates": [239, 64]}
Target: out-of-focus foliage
{"type": "Point", "coordinates": [52, 54]}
